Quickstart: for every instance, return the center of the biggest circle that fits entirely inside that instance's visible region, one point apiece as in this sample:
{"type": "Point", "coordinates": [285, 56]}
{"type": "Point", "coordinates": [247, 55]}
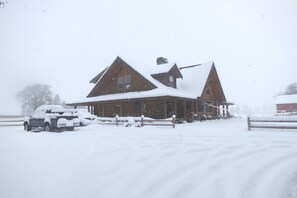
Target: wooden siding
{"type": "Point", "coordinates": [212, 93]}
{"type": "Point", "coordinates": [286, 107]}
{"type": "Point", "coordinates": [164, 78]}
{"type": "Point", "coordinates": [109, 82]}
{"type": "Point", "coordinates": [214, 84]}
{"type": "Point", "coordinates": [150, 107]}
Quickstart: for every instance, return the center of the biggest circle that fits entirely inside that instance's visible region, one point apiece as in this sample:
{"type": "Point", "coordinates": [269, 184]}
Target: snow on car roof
{"type": "Point", "coordinates": [49, 107]}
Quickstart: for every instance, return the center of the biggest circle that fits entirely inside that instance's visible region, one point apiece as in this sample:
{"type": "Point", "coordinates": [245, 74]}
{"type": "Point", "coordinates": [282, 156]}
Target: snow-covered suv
{"type": "Point", "coordinates": [50, 118]}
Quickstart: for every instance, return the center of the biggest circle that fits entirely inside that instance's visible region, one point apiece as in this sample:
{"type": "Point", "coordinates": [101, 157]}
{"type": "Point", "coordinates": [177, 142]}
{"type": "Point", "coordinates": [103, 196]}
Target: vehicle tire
{"type": "Point", "coordinates": [47, 127]}
{"type": "Point", "coordinates": [27, 127]}
{"type": "Point", "coordinates": [70, 128]}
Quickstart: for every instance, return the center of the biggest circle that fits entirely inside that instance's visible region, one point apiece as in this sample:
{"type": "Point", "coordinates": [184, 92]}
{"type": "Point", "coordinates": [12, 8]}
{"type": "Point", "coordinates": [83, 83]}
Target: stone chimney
{"type": "Point", "coordinates": [161, 60]}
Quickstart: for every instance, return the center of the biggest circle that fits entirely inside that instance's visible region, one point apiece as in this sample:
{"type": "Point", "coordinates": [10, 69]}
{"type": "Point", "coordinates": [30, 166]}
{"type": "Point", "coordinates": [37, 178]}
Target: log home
{"type": "Point", "coordinates": [128, 88]}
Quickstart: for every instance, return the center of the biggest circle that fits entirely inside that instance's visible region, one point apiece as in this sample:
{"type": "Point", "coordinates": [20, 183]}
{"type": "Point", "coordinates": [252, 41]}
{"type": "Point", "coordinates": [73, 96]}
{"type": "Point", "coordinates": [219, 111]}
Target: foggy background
{"type": "Point", "coordinates": [66, 43]}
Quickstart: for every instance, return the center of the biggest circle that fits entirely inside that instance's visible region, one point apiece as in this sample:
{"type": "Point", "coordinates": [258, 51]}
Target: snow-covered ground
{"type": "Point", "coordinates": [218, 159]}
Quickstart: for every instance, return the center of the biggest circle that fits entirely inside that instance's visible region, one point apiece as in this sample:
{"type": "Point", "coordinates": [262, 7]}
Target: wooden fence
{"type": "Point", "coordinates": [142, 121]}
{"type": "Point", "coordinates": [275, 122]}
{"type": "Point", "coordinates": [11, 120]}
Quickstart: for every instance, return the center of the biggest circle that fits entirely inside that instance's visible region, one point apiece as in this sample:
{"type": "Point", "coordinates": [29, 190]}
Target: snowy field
{"type": "Point", "coordinates": [213, 159]}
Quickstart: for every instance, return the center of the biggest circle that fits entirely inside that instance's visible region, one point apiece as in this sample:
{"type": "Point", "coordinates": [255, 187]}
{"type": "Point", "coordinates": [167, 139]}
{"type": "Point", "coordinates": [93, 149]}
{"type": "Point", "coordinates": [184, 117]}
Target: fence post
{"type": "Point", "coordinates": [117, 119]}
{"type": "Point", "coordinates": [173, 121]}
{"type": "Point", "coordinates": [142, 120]}
{"type": "Point", "coordinates": [249, 123]}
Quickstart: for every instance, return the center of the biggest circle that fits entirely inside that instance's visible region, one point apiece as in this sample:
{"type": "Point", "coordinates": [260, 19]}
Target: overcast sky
{"type": "Point", "coordinates": [66, 43]}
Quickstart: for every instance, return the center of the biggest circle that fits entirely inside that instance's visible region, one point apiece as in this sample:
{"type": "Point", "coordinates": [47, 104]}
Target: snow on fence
{"type": "Point", "coordinates": [11, 120]}
{"type": "Point", "coordinates": [274, 122]}
{"type": "Point", "coordinates": [137, 121]}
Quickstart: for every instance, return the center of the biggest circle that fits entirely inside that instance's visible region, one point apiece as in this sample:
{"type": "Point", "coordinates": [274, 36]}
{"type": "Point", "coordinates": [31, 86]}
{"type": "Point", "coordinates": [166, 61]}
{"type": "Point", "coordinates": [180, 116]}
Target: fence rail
{"type": "Point", "coordinates": [278, 122]}
{"type": "Point", "coordinates": [142, 121]}
{"type": "Point", "coordinates": [11, 120]}
{"type": "Point", "coordinates": [17, 120]}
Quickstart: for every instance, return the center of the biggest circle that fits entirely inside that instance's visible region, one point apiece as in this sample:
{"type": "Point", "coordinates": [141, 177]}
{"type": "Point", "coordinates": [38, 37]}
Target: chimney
{"type": "Point", "coordinates": [161, 60]}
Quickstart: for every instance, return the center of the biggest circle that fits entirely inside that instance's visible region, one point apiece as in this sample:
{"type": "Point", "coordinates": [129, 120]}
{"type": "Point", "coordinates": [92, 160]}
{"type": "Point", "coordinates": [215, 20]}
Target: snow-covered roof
{"type": "Point", "coordinates": [143, 69]}
{"type": "Point", "coordinates": [194, 78]}
{"type": "Point", "coordinates": [158, 92]}
{"type": "Point", "coordinates": [191, 86]}
{"type": "Point", "coordinates": [162, 68]}
{"type": "Point", "coordinates": [286, 99]}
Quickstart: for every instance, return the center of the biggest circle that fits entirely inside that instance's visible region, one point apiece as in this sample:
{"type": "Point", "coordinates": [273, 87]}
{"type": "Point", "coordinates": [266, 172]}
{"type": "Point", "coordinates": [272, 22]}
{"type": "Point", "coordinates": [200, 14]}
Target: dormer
{"type": "Point", "coordinates": [167, 74]}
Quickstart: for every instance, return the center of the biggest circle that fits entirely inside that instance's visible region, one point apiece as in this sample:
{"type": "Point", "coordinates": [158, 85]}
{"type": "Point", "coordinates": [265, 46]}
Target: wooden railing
{"type": "Point", "coordinates": [273, 122]}
{"type": "Point", "coordinates": [142, 121]}
{"type": "Point", "coordinates": [11, 120]}
{"type": "Point", "coordinates": [158, 122]}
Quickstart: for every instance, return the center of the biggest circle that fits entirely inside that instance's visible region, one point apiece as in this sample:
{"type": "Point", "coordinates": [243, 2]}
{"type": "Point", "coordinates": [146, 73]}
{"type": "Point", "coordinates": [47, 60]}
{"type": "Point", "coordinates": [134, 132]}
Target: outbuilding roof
{"type": "Point", "coordinates": [286, 99]}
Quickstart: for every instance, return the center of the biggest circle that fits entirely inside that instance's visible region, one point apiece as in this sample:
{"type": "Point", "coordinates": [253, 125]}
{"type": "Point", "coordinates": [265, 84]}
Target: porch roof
{"type": "Point", "coordinates": [158, 92]}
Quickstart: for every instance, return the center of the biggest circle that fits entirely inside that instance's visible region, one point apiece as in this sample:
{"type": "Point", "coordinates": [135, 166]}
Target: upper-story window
{"type": "Point", "coordinates": [171, 81]}
{"type": "Point", "coordinates": [124, 82]}
{"type": "Point", "coordinates": [127, 82]}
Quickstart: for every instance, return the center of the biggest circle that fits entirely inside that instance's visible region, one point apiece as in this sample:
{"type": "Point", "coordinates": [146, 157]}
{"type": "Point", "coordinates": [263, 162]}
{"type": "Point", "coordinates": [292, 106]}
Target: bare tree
{"type": "Point", "coordinates": [291, 89]}
{"type": "Point", "coordinates": [33, 96]}
{"type": "Point", "coordinates": [3, 3]}
{"type": "Point", "coordinates": [57, 100]}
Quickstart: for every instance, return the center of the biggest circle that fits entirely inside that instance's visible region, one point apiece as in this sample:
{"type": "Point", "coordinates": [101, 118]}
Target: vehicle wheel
{"type": "Point", "coordinates": [70, 128]}
{"type": "Point", "coordinates": [27, 127]}
{"type": "Point", "coordinates": [47, 127]}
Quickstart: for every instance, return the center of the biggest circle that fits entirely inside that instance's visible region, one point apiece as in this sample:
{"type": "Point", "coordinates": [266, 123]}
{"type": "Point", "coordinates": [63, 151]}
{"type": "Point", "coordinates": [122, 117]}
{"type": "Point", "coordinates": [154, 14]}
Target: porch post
{"type": "Point", "coordinates": [165, 108]}
{"type": "Point", "coordinates": [224, 111]}
{"type": "Point", "coordinates": [121, 110]}
{"type": "Point", "coordinates": [218, 109]}
{"type": "Point", "coordinates": [185, 108]}
{"type": "Point", "coordinates": [175, 107]}
{"type": "Point", "coordinates": [141, 107]}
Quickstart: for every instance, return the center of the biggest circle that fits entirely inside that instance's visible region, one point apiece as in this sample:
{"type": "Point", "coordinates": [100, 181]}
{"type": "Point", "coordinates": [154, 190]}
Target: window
{"type": "Point", "coordinates": [200, 106]}
{"type": "Point", "coordinates": [124, 82]}
{"type": "Point", "coordinates": [171, 81]}
{"type": "Point", "coordinates": [209, 107]}
{"type": "Point", "coordinates": [169, 107]}
{"type": "Point", "coordinates": [189, 106]}
{"type": "Point", "coordinates": [121, 82]}
{"type": "Point", "coordinates": [144, 107]}
{"type": "Point", "coordinates": [118, 109]}
{"type": "Point", "coordinates": [127, 82]}
{"type": "Point", "coordinates": [137, 106]}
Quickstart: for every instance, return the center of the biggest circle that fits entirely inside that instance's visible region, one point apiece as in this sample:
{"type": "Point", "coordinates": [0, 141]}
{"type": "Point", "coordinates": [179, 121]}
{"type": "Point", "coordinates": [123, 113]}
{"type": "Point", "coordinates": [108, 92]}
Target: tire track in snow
{"type": "Point", "coordinates": [144, 156]}
{"type": "Point", "coordinates": [261, 182]}
{"type": "Point", "coordinates": [151, 166]}
{"type": "Point", "coordinates": [292, 187]}
{"type": "Point", "coordinates": [162, 184]}
{"type": "Point", "coordinates": [212, 175]}
{"type": "Point", "coordinates": [208, 169]}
